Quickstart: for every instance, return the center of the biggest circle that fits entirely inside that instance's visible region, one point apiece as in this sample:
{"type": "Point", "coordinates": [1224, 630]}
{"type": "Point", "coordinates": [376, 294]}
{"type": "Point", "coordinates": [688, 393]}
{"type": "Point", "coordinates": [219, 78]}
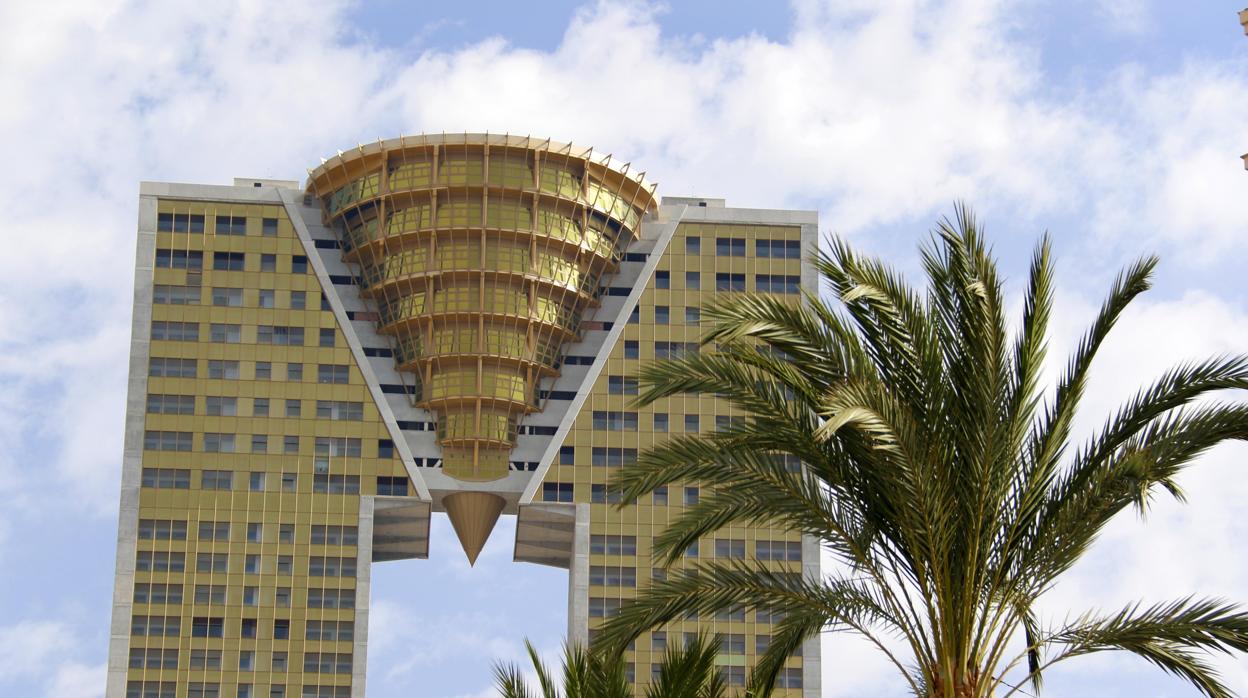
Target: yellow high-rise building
{"type": "Point", "coordinates": [432, 324]}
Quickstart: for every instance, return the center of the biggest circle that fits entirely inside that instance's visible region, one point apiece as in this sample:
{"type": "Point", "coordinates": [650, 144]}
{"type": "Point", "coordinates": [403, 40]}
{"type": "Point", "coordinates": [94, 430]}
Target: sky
{"type": "Point", "coordinates": [1116, 125]}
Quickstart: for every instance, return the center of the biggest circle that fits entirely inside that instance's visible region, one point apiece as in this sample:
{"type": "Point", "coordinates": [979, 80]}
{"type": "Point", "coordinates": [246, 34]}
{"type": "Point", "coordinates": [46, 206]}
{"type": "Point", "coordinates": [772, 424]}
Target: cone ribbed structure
{"type": "Point", "coordinates": [473, 515]}
{"type": "Point", "coordinates": [481, 253]}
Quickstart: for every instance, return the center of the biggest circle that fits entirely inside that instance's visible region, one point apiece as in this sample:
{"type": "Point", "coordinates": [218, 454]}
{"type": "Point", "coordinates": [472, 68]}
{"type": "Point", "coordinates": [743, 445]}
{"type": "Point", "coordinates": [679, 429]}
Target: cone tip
{"type": "Point", "coordinates": [473, 515]}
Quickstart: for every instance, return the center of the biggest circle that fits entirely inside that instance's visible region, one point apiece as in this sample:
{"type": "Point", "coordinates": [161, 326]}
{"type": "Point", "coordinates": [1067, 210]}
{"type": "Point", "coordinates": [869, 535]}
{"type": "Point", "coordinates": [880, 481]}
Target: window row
{"type": "Point", "coordinates": [198, 689]}
{"type": "Point", "coordinates": [166, 294]}
{"type": "Point", "coordinates": [222, 225]}
{"type": "Point", "coordinates": [228, 333]}
{"type": "Point", "coordinates": [193, 260]}
{"type": "Point", "coordinates": [163, 367]}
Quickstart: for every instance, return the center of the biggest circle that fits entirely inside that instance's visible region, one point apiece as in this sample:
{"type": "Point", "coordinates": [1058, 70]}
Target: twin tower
{"type": "Point", "coordinates": [451, 323]}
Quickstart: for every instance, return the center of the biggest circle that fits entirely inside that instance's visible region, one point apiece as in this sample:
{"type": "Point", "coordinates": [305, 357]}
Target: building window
{"type": "Point", "coordinates": [228, 261]}
{"type": "Point", "coordinates": [692, 423]}
{"type": "Point", "coordinates": [290, 444]}
{"type": "Point", "coordinates": [556, 492]}
{"type": "Point", "coordinates": [171, 404]}
{"type": "Point", "coordinates": [299, 264]}
{"type": "Point", "coordinates": [691, 496]}
{"type": "Point", "coordinates": [259, 443]}
{"type": "Point", "coordinates": [214, 530]}
{"type": "Point", "coordinates": [171, 368]}
{"type": "Point", "coordinates": [268, 226]}
{"type": "Point", "coordinates": [567, 455]}
{"type": "Point", "coordinates": [659, 496]}
{"type": "Point", "coordinates": [336, 484]}
{"type": "Point", "coordinates": [167, 440]}
{"type": "Point", "coordinates": [335, 535]}
{"type": "Point", "coordinates": [693, 245]}
{"type": "Point", "coordinates": [635, 316]}
{"type": "Point", "coordinates": [228, 297]}
{"type": "Point", "coordinates": [613, 457]}
{"type": "Point", "coordinates": [732, 548]}
{"type": "Point", "coordinates": [192, 260]}
{"type": "Point", "coordinates": [332, 373]}
{"type": "Point", "coordinates": [778, 550]}
{"type": "Point", "coordinates": [603, 608]}
{"type": "Point", "coordinates": [217, 406]}
{"type": "Point", "coordinates": [290, 481]}
{"type": "Point", "coordinates": [777, 283]}
{"type": "Point", "coordinates": [612, 545]}
{"type": "Point", "coordinates": [613, 576]}
{"type": "Point", "coordinates": [331, 566]}
{"type": "Point", "coordinates": [207, 627]}
{"type": "Point", "coordinates": [216, 480]}
{"type": "Point", "coordinates": [693, 280]}
{"type": "Point", "coordinates": [167, 478]}
{"type": "Point", "coordinates": [778, 249]}
{"type": "Point", "coordinates": [622, 385]}
{"type": "Point", "coordinates": [286, 533]}
{"type": "Point", "coordinates": [267, 298]}
{"type": "Point", "coordinates": [729, 282]}
{"type": "Point", "coordinates": [156, 626]}
{"type": "Point", "coordinates": [210, 594]}
{"type": "Point", "coordinates": [693, 315]}
{"type": "Point", "coordinates": [256, 482]}
{"type": "Point", "coordinates": [279, 335]}
{"type": "Point", "coordinates": [632, 349]}
{"type": "Point", "coordinates": [730, 247]}
{"type": "Point", "coordinates": [614, 420]}
{"type": "Point", "coordinates": [294, 372]}
{"type": "Point", "coordinates": [161, 529]}
{"type": "Point", "coordinates": [212, 562]}
{"type": "Point", "coordinates": [158, 594]}
{"type": "Point", "coordinates": [293, 408]}
{"type": "Point", "coordinates": [662, 315]}
{"type": "Point", "coordinates": [385, 448]}
{"type": "Point", "coordinates": [164, 294]}
{"type": "Point", "coordinates": [218, 443]}
{"type": "Point", "coordinates": [255, 532]}
{"type": "Point", "coordinates": [179, 223]}
{"type": "Point", "coordinates": [662, 279]}
{"type": "Point", "coordinates": [231, 225]}
{"type": "Point", "coordinates": [268, 262]}
{"type": "Point", "coordinates": [248, 629]}
{"type": "Point", "coordinates": [264, 370]}
{"type": "Point", "coordinates": [327, 337]}
{"type": "Point", "coordinates": [392, 486]}
{"type": "Point", "coordinates": [298, 300]}
{"type": "Point", "coordinates": [340, 410]}
{"type": "Point", "coordinates": [260, 407]}
{"type": "Point", "coordinates": [601, 494]}
{"type": "Point", "coordinates": [175, 331]}
{"type": "Point", "coordinates": [225, 333]}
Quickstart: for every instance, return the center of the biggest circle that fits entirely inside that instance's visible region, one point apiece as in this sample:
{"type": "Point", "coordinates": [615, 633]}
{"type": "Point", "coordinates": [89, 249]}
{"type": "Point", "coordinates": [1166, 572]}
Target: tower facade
{"type": "Point", "coordinates": [431, 324]}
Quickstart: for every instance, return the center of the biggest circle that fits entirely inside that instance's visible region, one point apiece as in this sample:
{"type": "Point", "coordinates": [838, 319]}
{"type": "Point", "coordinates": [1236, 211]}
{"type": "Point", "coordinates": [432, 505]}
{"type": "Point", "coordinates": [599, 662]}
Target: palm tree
{"type": "Point", "coordinates": [687, 672]}
{"type": "Point", "coordinates": [937, 470]}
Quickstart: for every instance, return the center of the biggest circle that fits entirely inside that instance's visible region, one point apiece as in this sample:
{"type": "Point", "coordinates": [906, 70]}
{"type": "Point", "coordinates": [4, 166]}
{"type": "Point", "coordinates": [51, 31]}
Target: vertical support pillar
{"type": "Point", "coordinates": [363, 584]}
{"type": "Point", "coordinates": [578, 580]}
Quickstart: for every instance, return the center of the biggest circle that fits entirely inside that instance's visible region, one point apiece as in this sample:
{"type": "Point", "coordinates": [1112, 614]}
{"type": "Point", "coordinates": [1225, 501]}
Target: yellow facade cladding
{"type": "Point", "coordinates": [481, 254]}
{"type": "Point", "coordinates": [703, 261]}
{"type": "Point", "coordinates": [260, 438]}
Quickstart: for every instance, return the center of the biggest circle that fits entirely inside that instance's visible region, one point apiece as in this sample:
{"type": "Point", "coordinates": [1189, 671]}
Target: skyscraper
{"type": "Point", "coordinates": [431, 324]}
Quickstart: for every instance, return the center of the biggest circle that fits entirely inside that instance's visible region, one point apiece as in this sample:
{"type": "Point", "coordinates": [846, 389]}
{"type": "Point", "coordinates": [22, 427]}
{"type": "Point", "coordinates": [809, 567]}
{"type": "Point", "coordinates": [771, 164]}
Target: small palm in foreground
{"type": "Point", "coordinates": [684, 673]}
{"type": "Point", "coordinates": [937, 472]}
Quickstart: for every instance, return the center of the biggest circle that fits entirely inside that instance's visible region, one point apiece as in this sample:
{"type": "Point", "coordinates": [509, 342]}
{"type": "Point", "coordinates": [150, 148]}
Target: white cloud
{"type": "Point", "coordinates": [74, 680]}
{"type": "Point", "coordinates": [29, 648]}
{"type": "Point", "coordinates": [875, 113]}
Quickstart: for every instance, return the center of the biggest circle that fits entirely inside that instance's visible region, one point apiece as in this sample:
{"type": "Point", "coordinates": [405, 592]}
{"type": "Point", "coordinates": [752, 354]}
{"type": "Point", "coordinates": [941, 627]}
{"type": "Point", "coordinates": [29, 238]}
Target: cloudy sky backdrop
{"type": "Point", "coordinates": [1114, 124]}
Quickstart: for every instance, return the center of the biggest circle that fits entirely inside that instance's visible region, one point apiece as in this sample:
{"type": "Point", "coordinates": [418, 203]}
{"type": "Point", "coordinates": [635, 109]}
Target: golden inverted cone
{"type": "Point", "coordinates": [473, 514]}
